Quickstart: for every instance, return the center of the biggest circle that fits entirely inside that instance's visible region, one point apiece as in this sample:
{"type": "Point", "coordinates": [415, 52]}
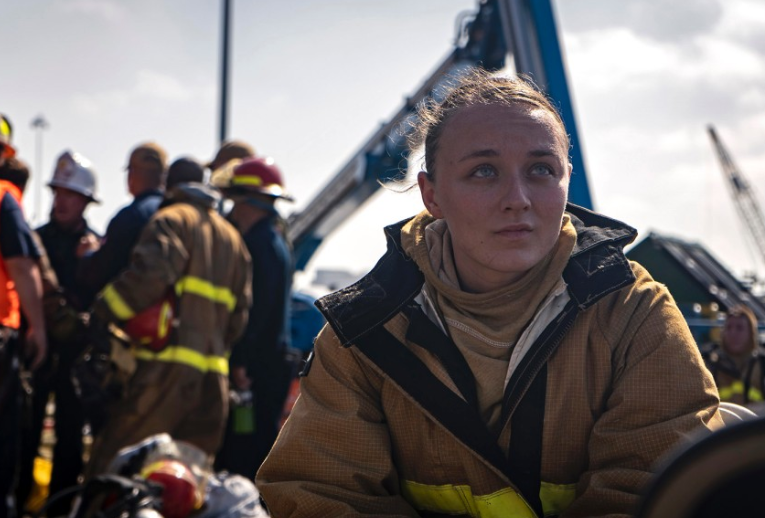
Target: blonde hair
{"type": "Point", "coordinates": [477, 87]}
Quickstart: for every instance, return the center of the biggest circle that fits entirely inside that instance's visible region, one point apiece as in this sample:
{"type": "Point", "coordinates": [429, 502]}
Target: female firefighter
{"type": "Point", "coordinates": [738, 363]}
{"type": "Point", "coordinates": [503, 359]}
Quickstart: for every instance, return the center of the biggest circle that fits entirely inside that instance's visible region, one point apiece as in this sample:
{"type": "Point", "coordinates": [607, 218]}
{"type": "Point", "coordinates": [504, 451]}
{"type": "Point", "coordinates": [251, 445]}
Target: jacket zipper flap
{"type": "Point", "coordinates": [537, 356]}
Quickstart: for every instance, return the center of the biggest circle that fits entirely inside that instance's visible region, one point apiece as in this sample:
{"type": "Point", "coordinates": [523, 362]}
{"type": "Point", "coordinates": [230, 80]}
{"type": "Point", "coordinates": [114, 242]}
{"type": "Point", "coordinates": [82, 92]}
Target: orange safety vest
{"type": "Point", "coordinates": [9, 299]}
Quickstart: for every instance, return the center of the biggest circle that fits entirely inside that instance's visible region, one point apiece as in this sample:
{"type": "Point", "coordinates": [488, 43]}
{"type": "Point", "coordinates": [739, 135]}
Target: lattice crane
{"type": "Point", "coordinates": [746, 203]}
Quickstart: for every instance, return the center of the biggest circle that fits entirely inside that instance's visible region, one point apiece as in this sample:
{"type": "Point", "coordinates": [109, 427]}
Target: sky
{"type": "Point", "coordinates": [313, 79]}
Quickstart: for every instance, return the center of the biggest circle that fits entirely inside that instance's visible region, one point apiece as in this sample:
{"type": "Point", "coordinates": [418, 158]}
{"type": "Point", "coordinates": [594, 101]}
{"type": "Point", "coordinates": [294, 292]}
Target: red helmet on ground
{"type": "Point", "coordinates": [258, 175]}
{"type": "Point", "coordinates": [180, 492]}
{"type": "Point", "coordinates": [151, 327]}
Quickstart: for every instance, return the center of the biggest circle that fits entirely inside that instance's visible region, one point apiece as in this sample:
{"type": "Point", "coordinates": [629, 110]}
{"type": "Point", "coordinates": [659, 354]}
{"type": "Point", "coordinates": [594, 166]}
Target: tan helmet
{"type": "Point", "coordinates": [75, 172]}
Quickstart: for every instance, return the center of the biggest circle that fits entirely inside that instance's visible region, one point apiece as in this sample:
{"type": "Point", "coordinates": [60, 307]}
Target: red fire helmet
{"type": "Point", "coordinates": [180, 494]}
{"type": "Point", "coordinates": [151, 327]}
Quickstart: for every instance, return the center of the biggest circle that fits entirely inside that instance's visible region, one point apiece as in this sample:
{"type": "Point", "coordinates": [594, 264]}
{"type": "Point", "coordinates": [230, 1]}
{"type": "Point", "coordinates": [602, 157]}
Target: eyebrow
{"type": "Point", "coordinates": [485, 153]}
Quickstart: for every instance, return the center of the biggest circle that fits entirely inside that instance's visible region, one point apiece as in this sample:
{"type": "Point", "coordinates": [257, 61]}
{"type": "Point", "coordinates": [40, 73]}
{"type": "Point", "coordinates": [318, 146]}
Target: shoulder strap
{"type": "Point", "coordinates": [423, 332]}
{"type": "Point", "coordinates": [447, 408]}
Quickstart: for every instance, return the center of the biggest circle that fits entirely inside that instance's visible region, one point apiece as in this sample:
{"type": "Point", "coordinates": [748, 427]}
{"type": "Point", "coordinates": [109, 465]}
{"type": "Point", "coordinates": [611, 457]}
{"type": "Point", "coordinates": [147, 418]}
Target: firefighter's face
{"type": "Point", "coordinates": [737, 335]}
{"type": "Point", "coordinates": [500, 181]}
{"type": "Point", "coordinates": [68, 207]}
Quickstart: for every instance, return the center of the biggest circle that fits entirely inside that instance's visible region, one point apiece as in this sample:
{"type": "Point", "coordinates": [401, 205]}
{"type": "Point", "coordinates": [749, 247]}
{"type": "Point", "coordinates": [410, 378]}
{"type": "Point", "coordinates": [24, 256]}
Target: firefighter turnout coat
{"type": "Point", "coordinates": [188, 249]}
{"type": "Point", "coordinates": [610, 381]}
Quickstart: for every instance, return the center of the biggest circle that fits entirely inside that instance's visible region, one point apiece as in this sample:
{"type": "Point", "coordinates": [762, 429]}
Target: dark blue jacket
{"type": "Point", "coordinates": [61, 247]}
{"type": "Point", "coordinates": [268, 333]}
{"type": "Point", "coordinates": [98, 268]}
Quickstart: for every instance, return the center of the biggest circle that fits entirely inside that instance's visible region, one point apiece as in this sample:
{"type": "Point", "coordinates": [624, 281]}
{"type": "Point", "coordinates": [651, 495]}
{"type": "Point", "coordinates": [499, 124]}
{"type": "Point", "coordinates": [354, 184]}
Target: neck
{"type": "Point", "coordinates": [75, 226]}
{"type": "Point", "coordinates": [246, 217]}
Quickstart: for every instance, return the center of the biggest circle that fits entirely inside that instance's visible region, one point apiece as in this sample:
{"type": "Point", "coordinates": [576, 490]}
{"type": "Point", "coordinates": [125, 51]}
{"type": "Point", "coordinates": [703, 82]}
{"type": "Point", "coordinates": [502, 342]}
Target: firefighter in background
{"type": "Point", "coordinates": [192, 259]}
{"type": "Point", "coordinates": [21, 292]}
{"type": "Point", "coordinates": [101, 262]}
{"type": "Point", "coordinates": [261, 361]}
{"type": "Point", "coordinates": [738, 362]}
{"type": "Point", "coordinates": [74, 188]}
{"type": "Point", "coordinates": [230, 150]}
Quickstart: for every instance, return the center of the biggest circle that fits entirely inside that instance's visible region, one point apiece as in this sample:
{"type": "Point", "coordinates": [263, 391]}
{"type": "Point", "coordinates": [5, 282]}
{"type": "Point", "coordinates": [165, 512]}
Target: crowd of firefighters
{"type": "Point", "coordinates": [201, 299]}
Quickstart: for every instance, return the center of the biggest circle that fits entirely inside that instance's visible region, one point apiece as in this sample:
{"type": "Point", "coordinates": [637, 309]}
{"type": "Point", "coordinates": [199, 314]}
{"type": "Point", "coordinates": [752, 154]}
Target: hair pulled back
{"type": "Point", "coordinates": [476, 87]}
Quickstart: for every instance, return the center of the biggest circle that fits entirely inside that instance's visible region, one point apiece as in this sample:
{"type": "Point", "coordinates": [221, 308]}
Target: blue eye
{"type": "Point", "coordinates": [484, 171]}
{"type": "Point", "coordinates": [542, 170]}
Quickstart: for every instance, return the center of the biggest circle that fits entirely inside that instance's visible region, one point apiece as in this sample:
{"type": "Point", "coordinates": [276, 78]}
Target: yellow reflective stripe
{"type": "Point", "coordinates": [206, 289]}
{"type": "Point", "coordinates": [556, 497]}
{"type": "Point", "coordinates": [116, 303]}
{"type": "Point", "coordinates": [459, 500]}
{"type": "Point", "coordinates": [737, 388]}
{"type": "Point", "coordinates": [246, 180]}
{"type": "Point", "coordinates": [186, 356]}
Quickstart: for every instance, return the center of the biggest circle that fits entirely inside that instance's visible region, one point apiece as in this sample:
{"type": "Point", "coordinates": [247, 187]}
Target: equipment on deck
{"type": "Point", "coordinates": [523, 29]}
{"type": "Point", "coordinates": [746, 202]}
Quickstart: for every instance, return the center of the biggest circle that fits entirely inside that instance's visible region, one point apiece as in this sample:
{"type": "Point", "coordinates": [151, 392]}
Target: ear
{"type": "Point", "coordinates": [428, 193]}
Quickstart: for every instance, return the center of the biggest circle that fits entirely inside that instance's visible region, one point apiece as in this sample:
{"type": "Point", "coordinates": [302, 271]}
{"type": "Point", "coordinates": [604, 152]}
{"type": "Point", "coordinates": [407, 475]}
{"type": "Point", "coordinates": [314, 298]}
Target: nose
{"type": "Point", "coordinates": [515, 194]}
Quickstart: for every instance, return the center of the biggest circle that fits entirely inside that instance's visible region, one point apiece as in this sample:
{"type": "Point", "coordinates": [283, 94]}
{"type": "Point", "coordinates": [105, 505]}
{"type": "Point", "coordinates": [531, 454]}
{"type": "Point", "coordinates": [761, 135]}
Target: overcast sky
{"type": "Point", "coordinates": [312, 79]}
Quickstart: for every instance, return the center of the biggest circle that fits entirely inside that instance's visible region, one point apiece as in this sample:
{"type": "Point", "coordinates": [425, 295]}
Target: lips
{"type": "Point", "coordinates": [515, 231]}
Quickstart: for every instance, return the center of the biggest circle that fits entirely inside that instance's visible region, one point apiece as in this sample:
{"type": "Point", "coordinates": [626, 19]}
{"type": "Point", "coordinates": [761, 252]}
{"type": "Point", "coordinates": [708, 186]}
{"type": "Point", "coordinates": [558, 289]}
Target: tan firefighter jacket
{"type": "Point", "coordinates": [189, 249]}
{"type": "Point", "coordinates": [384, 426]}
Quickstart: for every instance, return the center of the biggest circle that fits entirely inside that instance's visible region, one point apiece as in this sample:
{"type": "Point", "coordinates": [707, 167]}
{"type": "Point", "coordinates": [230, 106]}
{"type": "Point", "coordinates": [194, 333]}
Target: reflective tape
{"type": "Point", "coordinates": [505, 503]}
{"type": "Point", "coordinates": [186, 356]}
{"type": "Point", "coordinates": [737, 388]}
{"type": "Point", "coordinates": [207, 290]}
{"type": "Point", "coordinates": [116, 303]}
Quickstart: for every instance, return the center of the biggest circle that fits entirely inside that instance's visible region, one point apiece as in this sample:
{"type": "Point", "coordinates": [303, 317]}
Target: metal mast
{"type": "Point", "coordinates": [743, 196]}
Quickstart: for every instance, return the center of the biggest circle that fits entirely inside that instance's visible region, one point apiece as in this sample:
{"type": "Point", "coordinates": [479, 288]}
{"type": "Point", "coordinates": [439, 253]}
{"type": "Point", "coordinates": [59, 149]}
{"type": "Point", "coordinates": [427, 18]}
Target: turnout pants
{"type": "Point", "coordinates": [164, 397]}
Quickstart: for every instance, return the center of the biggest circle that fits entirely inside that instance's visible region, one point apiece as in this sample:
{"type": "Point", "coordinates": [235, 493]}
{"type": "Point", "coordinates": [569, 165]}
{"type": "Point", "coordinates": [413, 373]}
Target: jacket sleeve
{"type": "Point", "coordinates": [239, 316]}
{"type": "Point", "coordinates": [96, 269]}
{"type": "Point", "coordinates": [333, 456]}
{"type": "Point", "coordinates": [157, 262]}
{"type": "Point", "coordinates": [661, 395]}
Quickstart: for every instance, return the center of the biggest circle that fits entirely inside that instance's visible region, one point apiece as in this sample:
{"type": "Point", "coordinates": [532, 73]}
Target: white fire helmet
{"type": "Point", "coordinates": [75, 172]}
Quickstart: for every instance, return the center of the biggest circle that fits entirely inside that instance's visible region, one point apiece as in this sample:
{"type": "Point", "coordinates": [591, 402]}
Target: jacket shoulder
{"type": "Point", "coordinates": [378, 296]}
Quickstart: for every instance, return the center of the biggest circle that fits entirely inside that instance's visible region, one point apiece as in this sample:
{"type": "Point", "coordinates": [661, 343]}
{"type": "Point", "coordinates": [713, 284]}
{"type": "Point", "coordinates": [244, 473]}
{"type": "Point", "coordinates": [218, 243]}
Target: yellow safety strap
{"type": "Point", "coordinates": [505, 503]}
{"type": "Point", "coordinates": [186, 356]}
{"type": "Point", "coordinates": [737, 388]}
{"type": "Point", "coordinates": [207, 290]}
{"type": "Point", "coordinates": [117, 304]}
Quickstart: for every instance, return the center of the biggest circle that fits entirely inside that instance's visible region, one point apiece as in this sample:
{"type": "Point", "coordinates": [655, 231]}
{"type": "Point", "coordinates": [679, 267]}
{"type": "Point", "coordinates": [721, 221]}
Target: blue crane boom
{"type": "Point", "coordinates": [500, 29]}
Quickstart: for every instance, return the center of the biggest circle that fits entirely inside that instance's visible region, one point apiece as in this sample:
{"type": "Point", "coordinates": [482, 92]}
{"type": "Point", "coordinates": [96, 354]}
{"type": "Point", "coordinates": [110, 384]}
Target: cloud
{"type": "Point", "coordinates": [108, 10]}
{"type": "Point", "coordinates": [675, 21]}
{"type": "Point", "coordinates": [149, 86]}
{"type": "Point", "coordinates": [161, 86]}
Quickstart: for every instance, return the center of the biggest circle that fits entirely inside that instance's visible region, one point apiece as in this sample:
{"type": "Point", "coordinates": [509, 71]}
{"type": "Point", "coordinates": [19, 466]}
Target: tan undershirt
{"type": "Point", "coordinates": [485, 326]}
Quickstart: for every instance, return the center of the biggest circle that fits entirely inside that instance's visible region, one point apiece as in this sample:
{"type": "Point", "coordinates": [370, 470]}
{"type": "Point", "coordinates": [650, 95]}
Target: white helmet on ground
{"type": "Point", "coordinates": [75, 172]}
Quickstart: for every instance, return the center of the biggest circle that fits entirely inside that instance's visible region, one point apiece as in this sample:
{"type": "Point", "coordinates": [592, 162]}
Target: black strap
{"type": "Point", "coordinates": [525, 451]}
{"type": "Point", "coordinates": [524, 404]}
{"type": "Point", "coordinates": [406, 370]}
{"type": "Point", "coordinates": [423, 332]}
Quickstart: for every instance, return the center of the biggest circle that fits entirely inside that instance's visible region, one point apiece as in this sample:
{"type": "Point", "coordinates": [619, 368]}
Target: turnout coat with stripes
{"type": "Point", "coordinates": [610, 382]}
{"type": "Point", "coordinates": [189, 249]}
